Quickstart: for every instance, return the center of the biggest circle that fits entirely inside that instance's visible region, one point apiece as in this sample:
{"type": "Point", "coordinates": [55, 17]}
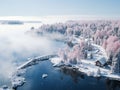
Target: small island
{"type": "Point", "coordinates": [11, 22]}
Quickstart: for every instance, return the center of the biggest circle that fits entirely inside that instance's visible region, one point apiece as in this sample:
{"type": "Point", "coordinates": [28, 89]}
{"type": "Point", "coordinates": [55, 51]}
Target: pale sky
{"type": "Point", "coordinates": [59, 7]}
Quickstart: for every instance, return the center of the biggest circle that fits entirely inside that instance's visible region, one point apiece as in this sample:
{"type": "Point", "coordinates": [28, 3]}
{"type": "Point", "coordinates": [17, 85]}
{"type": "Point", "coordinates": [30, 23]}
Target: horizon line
{"type": "Point", "coordinates": [61, 17]}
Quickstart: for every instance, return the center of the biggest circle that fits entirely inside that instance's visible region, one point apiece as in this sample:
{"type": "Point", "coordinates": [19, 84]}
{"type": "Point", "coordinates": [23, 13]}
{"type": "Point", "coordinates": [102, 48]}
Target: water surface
{"type": "Point", "coordinates": [63, 79]}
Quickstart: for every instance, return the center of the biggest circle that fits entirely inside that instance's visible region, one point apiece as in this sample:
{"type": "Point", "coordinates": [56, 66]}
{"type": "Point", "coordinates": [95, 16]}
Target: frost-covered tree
{"type": "Point", "coordinates": [91, 55]}
{"type": "Point", "coordinates": [104, 45]}
{"type": "Point", "coordinates": [98, 72]}
{"type": "Point", "coordinates": [111, 45]}
{"type": "Point", "coordinates": [112, 39]}
{"type": "Point", "coordinates": [104, 33]}
{"type": "Point", "coordinates": [62, 54]}
{"type": "Point", "coordinates": [116, 63]}
{"type": "Point", "coordinates": [69, 31]}
{"type": "Point", "coordinates": [116, 46]}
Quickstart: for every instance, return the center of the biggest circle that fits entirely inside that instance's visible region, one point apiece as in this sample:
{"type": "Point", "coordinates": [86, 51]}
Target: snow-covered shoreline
{"type": "Point", "coordinates": [17, 78]}
{"type": "Point", "coordinates": [90, 70]}
{"type": "Point", "coordinates": [88, 66]}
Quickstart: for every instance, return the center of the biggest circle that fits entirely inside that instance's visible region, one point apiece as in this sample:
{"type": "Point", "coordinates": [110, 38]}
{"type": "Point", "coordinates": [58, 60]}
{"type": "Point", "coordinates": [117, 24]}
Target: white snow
{"type": "Point", "coordinates": [4, 87]}
{"type": "Point", "coordinates": [34, 60]}
{"type": "Point", "coordinates": [44, 75]}
{"type": "Point", "coordinates": [56, 61]}
{"type": "Point", "coordinates": [17, 81]}
{"type": "Point", "coordinates": [88, 66]}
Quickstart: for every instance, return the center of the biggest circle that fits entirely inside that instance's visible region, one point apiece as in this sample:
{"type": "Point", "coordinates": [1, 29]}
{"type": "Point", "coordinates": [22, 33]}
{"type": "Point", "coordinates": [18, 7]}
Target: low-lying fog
{"type": "Point", "coordinates": [16, 46]}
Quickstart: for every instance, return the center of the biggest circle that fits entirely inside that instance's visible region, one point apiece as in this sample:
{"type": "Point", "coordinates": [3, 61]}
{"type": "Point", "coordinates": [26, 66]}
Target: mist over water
{"type": "Point", "coordinates": [16, 46]}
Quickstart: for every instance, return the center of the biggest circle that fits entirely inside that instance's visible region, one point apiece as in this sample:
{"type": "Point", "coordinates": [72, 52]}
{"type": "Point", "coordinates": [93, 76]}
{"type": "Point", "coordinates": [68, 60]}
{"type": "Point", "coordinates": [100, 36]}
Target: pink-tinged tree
{"type": "Point", "coordinates": [112, 39]}
{"type": "Point", "coordinates": [112, 48]}
{"type": "Point", "coordinates": [109, 48]}
{"type": "Point", "coordinates": [67, 49]}
{"type": "Point", "coordinates": [72, 58]}
{"type": "Point", "coordinates": [109, 32]}
{"type": "Point", "coordinates": [116, 46]}
{"type": "Point", "coordinates": [104, 45]}
{"type": "Point", "coordinates": [103, 33]}
{"type": "Point", "coordinates": [77, 52]}
{"type": "Point", "coordinates": [97, 34]}
{"type": "Point", "coordinates": [83, 44]}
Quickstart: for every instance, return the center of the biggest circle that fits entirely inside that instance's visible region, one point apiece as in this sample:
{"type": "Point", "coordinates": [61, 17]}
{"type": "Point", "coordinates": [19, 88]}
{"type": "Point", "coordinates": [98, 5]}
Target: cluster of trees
{"type": "Point", "coordinates": [69, 28]}
{"type": "Point", "coordinates": [74, 54]}
{"type": "Point", "coordinates": [54, 28]}
{"type": "Point", "coordinates": [99, 29]}
{"type": "Point", "coordinates": [103, 32]}
{"type": "Point", "coordinates": [110, 42]}
{"type": "Point", "coordinates": [109, 38]}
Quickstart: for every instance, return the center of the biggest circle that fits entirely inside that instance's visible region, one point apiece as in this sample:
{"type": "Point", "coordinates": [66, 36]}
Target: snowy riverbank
{"type": "Point", "coordinates": [88, 66]}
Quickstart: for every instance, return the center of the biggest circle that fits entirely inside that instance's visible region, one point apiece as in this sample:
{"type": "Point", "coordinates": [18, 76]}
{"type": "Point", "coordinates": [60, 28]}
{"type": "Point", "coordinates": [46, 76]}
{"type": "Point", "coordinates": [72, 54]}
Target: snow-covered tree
{"type": "Point", "coordinates": [116, 63]}
{"type": "Point", "coordinates": [69, 31]}
{"type": "Point", "coordinates": [98, 72]}
{"type": "Point", "coordinates": [62, 54]}
{"type": "Point", "coordinates": [112, 38]}
{"type": "Point", "coordinates": [91, 56]}
{"type": "Point", "coordinates": [104, 45]}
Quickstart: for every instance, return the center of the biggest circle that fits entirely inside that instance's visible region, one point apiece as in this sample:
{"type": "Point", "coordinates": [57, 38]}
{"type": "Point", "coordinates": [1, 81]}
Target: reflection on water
{"type": "Point", "coordinates": [112, 84]}
{"type": "Point", "coordinates": [74, 73]}
{"type": "Point", "coordinates": [76, 76]}
{"type": "Point", "coordinates": [63, 78]}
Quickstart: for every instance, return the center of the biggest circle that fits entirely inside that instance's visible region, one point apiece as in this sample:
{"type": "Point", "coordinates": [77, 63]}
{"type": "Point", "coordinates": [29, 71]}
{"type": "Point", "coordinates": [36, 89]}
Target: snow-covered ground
{"type": "Point", "coordinates": [88, 66]}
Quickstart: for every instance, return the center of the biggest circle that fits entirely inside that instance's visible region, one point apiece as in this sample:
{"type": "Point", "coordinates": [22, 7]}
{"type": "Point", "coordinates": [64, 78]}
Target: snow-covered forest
{"type": "Point", "coordinates": [80, 37]}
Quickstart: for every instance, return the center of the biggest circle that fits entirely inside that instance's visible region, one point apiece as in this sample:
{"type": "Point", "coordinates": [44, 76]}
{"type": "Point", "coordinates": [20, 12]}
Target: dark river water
{"type": "Point", "coordinates": [63, 79]}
